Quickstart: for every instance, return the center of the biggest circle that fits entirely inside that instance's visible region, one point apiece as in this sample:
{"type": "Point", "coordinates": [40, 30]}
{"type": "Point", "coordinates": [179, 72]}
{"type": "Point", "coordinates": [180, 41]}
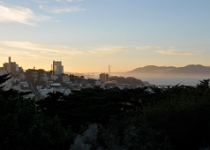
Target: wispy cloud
{"type": "Point", "coordinates": [67, 10]}
{"type": "Point", "coordinates": [61, 6]}
{"type": "Point", "coordinates": [74, 1]}
{"type": "Point", "coordinates": [108, 50]}
{"type": "Point", "coordinates": [179, 52]}
{"type": "Point", "coordinates": [40, 1]}
{"type": "Point", "coordinates": [46, 51]}
{"type": "Point", "coordinates": [168, 50]}
{"type": "Point", "coordinates": [19, 14]}
{"type": "Point", "coordinates": [43, 49]}
{"type": "Point", "coordinates": [143, 48]}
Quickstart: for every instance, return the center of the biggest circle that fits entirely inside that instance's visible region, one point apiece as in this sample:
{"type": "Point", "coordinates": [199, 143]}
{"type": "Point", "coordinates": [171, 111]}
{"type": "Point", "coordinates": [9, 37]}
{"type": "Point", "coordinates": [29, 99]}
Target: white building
{"type": "Point", "coordinates": [31, 96]}
{"type": "Point", "coordinates": [38, 87]}
{"type": "Point", "coordinates": [17, 88]}
{"type": "Point", "coordinates": [44, 77]}
{"type": "Point", "coordinates": [97, 83]}
{"type": "Point", "coordinates": [55, 84]}
{"type": "Point", "coordinates": [53, 77]}
{"type": "Point", "coordinates": [22, 76]}
{"type": "Point", "coordinates": [11, 67]}
{"type": "Point", "coordinates": [57, 68]}
{"type": "Point", "coordinates": [65, 78]}
{"type": "Point", "coordinates": [44, 92]}
{"type": "Point", "coordinates": [64, 91]}
{"type": "Point", "coordinates": [24, 84]}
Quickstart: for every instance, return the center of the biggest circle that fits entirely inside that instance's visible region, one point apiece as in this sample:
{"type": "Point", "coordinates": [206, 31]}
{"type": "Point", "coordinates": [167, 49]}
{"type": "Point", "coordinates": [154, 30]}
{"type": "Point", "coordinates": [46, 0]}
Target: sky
{"type": "Point", "coordinates": [89, 35]}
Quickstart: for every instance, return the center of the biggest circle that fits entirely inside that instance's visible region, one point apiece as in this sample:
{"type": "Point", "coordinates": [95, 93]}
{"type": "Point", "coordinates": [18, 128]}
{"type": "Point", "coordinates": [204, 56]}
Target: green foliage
{"type": "Point", "coordinates": [140, 138]}
{"type": "Point", "coordinates": [4, 78]}
{"type": "Point", "coordinates": [23, 128]}
{"type": "Point", "coordinates": [183, 113]}
{"type": "Point", "coordinates": [176, 117]}
{"type": "Point", "coordinates": [88, 140]}
{"type": "Point", "coordinates": [87, 106]}
{"type": "Point", "coordinates": [50, 135]}
{"type": "Point", "coordinates": [180, 111]}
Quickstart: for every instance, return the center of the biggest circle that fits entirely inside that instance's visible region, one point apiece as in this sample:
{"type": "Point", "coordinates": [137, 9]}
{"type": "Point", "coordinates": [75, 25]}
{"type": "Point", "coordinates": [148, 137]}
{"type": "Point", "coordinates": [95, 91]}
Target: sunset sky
{"type": "Point", "coordinates": [88, 35]}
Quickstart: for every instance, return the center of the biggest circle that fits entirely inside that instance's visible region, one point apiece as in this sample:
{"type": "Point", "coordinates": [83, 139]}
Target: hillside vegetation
{"type": "Point", "coordinates": [171, 70]}
{"type": "Point", "coordinates": [147, 118]}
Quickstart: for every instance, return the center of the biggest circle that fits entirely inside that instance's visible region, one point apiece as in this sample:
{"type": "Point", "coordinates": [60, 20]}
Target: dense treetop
{"type": "Point", "coordinates": [143, 118]}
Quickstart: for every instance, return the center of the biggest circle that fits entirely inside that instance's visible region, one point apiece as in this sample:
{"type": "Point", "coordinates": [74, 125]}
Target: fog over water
{"type": "Point", "coordinates": [160, 79]}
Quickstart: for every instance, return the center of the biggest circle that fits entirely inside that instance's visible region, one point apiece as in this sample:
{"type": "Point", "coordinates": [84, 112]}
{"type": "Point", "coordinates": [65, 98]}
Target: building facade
{"type": "Point", "coordinates": [57, 68]}
{"type": "Point", "coordinates": [104, 77]}
{"type": "Point", "coordinates": [11, 67]}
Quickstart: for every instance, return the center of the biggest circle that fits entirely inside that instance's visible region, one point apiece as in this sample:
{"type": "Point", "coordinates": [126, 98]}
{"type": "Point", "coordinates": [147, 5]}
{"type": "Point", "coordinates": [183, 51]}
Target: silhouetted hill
{"type": "Point", "coordinates": [189, 69]}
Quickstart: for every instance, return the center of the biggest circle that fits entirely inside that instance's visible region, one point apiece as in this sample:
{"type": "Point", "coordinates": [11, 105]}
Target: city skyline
{"type": "Point", "coordinates": [58, 69]}
{"type": "Point", "coordinates": [88, 35]}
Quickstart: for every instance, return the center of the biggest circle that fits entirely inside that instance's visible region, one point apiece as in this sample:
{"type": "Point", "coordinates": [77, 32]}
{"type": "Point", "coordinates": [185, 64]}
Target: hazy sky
{"type": "Point", "coordinates": [88, 35]}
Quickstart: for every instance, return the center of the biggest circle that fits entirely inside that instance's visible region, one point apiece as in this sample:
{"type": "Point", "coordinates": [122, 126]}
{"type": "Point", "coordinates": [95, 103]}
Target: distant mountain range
{"type": "Point", "coordinates": [189, 69]}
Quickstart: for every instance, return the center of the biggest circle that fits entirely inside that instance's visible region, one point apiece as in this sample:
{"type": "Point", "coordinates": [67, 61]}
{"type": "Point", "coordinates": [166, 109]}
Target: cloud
{"type": "Point", "coordinates": [168, 50]}
{"type": "Point", "coordinates": [40, 1]}
{"type": "Point", "coordinates": [44, 49]}
{"type": "Point", "coordinates": [74, 1]}
{"type": "Point", "coordinates": [62, 6]}
{"type": "Point", "coordinates": [109, 50]}
{"type": "Point", "coordinates": [34, 51]}
{"type": "Point", "coordinates": [142, 48]}
{"type": "Point", "coordinates": [66, 10]}
{"type": "Point", "coordinates": [49, 51]}
{"type": "Point", "coordinates": [19, 14]}
{"type": "Point", "coordinates": [178, 52]}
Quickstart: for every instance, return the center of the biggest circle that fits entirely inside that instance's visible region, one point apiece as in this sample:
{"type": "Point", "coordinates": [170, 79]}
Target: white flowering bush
{"type": "Point", "coordinates": [86, 141]}
{"type": "Point", "coordinates": [141, 138]}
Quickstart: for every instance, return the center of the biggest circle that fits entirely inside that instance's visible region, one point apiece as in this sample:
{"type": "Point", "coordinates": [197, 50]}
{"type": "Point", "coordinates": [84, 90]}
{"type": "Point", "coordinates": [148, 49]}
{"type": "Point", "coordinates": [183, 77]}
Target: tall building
{"type": "Point", "coordinates": [57, 68]}
{"type": "Point", "coordinates": [104, 77]}
{"type": "Point", "coordinates": [11, 67]}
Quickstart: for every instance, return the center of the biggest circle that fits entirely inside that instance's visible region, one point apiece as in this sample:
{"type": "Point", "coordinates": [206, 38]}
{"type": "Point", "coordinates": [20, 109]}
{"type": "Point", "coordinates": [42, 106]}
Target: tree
{"type": "Point", "coordinates": [23, 128]}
